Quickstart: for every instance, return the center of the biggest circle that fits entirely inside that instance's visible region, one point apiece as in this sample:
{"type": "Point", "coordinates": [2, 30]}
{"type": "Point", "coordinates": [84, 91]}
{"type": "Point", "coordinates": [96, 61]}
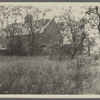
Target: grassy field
{"type": "Point", "coordinates": [40, 75]}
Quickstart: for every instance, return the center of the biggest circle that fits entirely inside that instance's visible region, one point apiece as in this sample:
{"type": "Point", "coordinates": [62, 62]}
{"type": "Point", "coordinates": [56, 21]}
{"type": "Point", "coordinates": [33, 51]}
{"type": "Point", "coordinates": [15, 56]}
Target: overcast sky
{"type": "Point", "coordinates": [56, 7]}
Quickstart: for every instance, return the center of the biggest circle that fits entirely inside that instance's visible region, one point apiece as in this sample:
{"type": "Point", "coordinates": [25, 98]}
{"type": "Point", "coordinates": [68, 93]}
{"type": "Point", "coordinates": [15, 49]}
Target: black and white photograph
{"type": "Point", "coordinates": [50, 48]}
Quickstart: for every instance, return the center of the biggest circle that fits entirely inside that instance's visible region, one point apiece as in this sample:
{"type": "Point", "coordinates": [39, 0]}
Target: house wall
{"type": "Point", "coordinates": [51, 35]}
{"type": "Point", "coordinates": [22, 45]}
{"type": "Point", "coordinates": [17, 45]}
{"type": "Point", "coordinates": [50, 38]}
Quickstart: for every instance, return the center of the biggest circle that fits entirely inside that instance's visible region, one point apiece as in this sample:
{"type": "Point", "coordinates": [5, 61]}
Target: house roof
{"type": "Point", "coordinates": [44, 27]}
{"type": "Point", "coordinates": [40, 25]}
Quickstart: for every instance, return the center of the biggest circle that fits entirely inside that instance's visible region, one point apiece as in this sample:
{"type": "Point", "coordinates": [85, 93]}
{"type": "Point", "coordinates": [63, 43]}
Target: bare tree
{"type": "Point", "coordinates": [10, 27]}
{"type": "Point", "coordinates": [94, 23]}
{"type": "Point", "coordinates": [94, 11]}
{"type": "Point", "coordinates": [75, 30]}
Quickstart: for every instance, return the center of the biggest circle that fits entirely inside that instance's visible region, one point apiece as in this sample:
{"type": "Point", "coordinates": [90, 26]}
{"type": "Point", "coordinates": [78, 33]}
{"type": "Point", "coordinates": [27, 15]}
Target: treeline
{"type": "Point", "coordinates": [75, 32]}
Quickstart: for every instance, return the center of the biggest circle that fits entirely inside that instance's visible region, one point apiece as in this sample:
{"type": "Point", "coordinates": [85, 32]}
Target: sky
{"type": "Point", "coordinates": [57, 8]}
{"type": "Point", "coordinates": [77, 8]}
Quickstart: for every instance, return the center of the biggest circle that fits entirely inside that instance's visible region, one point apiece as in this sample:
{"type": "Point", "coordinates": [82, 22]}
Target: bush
{"type": "Point", "coordinates": [14, 45]}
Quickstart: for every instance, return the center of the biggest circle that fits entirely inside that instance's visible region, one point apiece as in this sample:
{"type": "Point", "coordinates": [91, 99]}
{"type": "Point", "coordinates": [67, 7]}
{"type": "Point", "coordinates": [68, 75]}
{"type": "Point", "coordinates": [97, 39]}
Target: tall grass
{"type": "Point", "coordinates": [40, 75]}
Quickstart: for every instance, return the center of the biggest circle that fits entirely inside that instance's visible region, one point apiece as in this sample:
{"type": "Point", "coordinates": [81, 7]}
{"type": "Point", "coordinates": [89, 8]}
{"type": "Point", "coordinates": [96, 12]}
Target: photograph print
{"type": "Point", "coordinates": [50, 48]}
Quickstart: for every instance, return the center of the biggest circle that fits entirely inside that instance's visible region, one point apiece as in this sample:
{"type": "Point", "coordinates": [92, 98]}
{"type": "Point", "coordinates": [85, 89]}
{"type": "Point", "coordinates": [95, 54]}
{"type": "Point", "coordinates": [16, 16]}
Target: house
{"type": "Point", "coordinates": [50, 34]}
{"type": "Point", "coordinates": [47, 38]}
{"type": "Point", "coordinates": [50, 37]}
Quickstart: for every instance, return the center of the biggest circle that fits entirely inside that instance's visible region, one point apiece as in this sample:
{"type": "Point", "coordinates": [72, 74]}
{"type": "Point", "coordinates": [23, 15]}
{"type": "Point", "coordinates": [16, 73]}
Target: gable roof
{"type": "Point", "coordinates": [45, 26]}
{"type": "Point", "coordinates": [39, 24]}
{"type": "Point", "coordinates": [51, 22]}
{"type": "Point", "coordinates": [23, 26]}
{"type": "Point", "coordinates": [50, 33]}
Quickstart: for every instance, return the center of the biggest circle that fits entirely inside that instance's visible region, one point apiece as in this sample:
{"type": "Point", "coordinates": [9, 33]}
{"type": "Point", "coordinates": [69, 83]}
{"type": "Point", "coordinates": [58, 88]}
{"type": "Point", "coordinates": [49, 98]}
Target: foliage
{"type": "Point", "coordinates": [39, 75]}
{"type": "Point", "coordinates": [14, 46]}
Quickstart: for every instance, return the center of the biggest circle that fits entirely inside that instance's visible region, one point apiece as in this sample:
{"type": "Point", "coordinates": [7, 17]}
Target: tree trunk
{"type": "Point", "coordinates": [88, 47]}
{"type": "Point", "coordinates": [88, 50]}
{"type": "Point", "coordinates": [76, 49]}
